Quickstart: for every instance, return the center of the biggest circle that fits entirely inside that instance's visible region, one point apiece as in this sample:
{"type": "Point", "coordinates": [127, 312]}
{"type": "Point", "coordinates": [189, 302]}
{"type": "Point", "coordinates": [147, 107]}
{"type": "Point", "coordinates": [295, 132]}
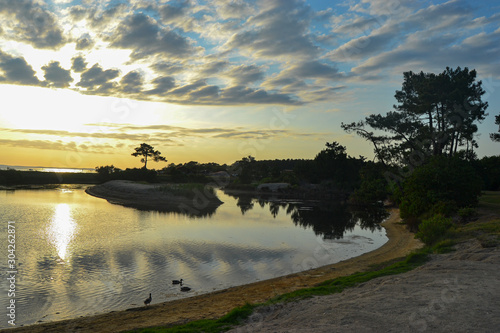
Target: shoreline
{"type": "Point", "coordinates": [216, 304]}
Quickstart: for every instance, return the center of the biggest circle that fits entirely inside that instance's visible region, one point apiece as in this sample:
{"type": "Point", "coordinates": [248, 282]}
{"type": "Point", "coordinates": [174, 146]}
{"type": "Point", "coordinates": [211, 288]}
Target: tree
{"type": "Point", "coordinates": [436, 114]}
{"type": "Point", "coordinates": [334, 165]}
{"type": "Point", "coordinates": [107, 172]}
{"type": "Point", "coordinates": [146, 151]}
{"type": "Point", "coordinates": [496, 136]}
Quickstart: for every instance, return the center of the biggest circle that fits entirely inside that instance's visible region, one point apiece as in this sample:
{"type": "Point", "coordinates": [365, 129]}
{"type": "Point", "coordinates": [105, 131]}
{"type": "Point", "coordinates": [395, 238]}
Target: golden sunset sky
{"type": "Point", "coordinates": [84, 82]}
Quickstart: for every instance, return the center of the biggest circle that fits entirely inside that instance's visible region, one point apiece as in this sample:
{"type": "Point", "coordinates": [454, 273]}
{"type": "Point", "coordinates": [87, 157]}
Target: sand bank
{"type": "Point", "coordinates": [152, 197]}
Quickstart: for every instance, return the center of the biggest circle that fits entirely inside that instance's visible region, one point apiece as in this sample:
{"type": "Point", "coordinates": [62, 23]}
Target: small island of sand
{"type": "Point", "coordinates": [161, 197]}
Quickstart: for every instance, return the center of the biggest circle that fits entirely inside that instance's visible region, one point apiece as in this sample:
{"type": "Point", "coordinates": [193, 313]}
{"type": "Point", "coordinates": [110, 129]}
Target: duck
{"type": "Point", "coordinates": [185, 289]}
{"type": "Point", "coordinates": [177, 281]}
{"type": "Point", "coordinates": [148, 300]}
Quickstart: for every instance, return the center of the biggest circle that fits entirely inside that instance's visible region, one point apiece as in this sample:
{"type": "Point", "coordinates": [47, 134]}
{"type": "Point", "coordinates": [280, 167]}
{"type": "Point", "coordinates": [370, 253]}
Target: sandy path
{"type": "Point", "coordinates": [216, 304]}
{"type": "Point", "coordinates": [456, 292]}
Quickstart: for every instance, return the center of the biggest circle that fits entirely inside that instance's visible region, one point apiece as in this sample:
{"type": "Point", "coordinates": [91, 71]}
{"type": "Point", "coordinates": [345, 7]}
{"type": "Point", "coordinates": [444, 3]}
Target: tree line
{"type": "Point", "coordinates": [425, 159]}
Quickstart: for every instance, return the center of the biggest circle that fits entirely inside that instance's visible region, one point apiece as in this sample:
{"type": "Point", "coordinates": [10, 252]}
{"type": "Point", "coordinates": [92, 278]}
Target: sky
{"type": "Point", "coordinates": [84, 82]}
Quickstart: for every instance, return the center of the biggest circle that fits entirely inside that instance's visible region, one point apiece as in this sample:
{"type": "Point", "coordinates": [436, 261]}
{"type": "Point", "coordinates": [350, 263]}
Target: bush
{"type": "Point", "coordinates": [467, 214]}
{"type": "Point", "coordinates": [431, 230]}
{"type": "Point", "coordinates": [443, 185]}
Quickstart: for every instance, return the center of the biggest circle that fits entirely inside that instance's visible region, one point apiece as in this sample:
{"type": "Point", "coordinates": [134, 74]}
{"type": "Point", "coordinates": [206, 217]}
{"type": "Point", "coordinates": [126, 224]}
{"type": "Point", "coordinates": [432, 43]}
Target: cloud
{"type": "Point", "coordinates": [59, 145]}
{"type": "Point", "coordinates": [162, 85]}
{"type": "Point", "coordinates": [84, 42]}
{"type": "Point", "coordinates": [97, 80]}
{"type": "Point", "coordinates": [15, 70]}
{"type": "Point", "coordinates": [56, 76]}
{"type": "Point", "coordinates": [168, 131]}
{"type": "Point", "coordinates": [230, 9]}
{"type": "Point", "coordinates": [245, 74]}
{"type": "Point", "coordinates": [167, 68]}
{"type": "Point", "coordinates": [280, 29]}
{"type": "Point", "coordinates": [98, 17]}
{"type": "Point", "coordinates": [28, 21]}
{"type": "Point", "coordinates": [245, 95]}
{"type": "Point", "coordinates": [175, 13]}
{"type": "Point", "coordinates": [78, 64]}
{"type": "Point", "coordinates": [146, 38]}
{"type": "Point", "coordinates": [132, 82]}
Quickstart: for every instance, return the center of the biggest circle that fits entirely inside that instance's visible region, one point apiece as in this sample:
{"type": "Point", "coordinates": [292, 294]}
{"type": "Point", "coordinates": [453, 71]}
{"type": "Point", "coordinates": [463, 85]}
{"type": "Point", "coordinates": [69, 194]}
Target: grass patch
{"type": "Point", "coordinates": [235, 317]}
{"type": "Point", "coordinates": [188, 190]}
{"type": "Point", "coordinates": [339, 284]}
{"type": "Point", "coordinates": [490, 200]}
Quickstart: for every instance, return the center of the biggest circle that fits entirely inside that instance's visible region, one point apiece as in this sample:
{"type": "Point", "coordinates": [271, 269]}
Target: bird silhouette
{"type": "Point", "coordinates": [185, 289]}
{"type": "Point", "coordinates": [177, 281]}
{"type": "Point", "coordinates": [148, 300]}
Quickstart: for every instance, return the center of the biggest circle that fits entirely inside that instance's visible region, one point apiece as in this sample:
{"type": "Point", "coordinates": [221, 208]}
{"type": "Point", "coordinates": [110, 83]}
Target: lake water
{"type": "Point", "coordinates": [79, 255]}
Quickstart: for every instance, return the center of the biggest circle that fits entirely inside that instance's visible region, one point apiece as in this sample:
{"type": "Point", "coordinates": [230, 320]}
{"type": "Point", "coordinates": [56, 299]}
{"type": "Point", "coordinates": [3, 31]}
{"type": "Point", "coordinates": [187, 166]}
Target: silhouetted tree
{"type": "Point", "coordinates": [436, 114]}
{"type": "Point", "coordinates": [496, 136]}
{"type": "Point", "coordinates": [147, 151]}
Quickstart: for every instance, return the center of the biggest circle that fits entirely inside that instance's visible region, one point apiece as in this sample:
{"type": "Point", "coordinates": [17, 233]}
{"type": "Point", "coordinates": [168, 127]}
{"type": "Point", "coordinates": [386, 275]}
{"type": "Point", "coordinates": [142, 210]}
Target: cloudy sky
{"type": "Point", "coordinates": [83, 82]}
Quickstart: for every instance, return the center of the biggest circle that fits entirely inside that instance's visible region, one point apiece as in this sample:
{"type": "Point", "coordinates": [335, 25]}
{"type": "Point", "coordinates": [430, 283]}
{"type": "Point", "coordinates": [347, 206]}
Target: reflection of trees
{"type": "Point", "coordinates": [245, 203]}
{"type": "Point", "coordinates": [326, 219]}
{"type": "Point", "coordinates": [369, 217]}
{"type": "Point", "coordinates": [181, 209]}
{"type": "Point", "coordinates": [274, 207]}
{"type": "Point", "coordinates": [329, 221]}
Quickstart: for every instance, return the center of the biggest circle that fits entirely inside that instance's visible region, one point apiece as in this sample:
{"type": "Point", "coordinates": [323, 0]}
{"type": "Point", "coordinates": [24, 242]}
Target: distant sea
{"type": "Point", "coordinates": [45, 169]}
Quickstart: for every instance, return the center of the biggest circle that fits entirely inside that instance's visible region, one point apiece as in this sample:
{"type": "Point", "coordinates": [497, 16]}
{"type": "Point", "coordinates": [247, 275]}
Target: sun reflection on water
{"type": "Point", "coordinates": [62, 229]}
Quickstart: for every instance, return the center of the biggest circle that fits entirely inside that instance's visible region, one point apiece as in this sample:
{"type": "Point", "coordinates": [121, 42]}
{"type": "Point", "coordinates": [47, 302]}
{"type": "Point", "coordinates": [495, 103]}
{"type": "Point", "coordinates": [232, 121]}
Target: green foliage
{"type": "Point", "coordinates": [190, 190]}
{"type": "Point", "coordinates": [488, 168]}
{"type": "Point", "coordinates": [433, 229]}
{"type": "Point", "coordinates": [440, 186]}
{"type": "Point", "coordinates": [467, 214]}
{"type": "Point", "coordinates": [234, 317]}
{"type": "Point", "coordinates": [373, 187]}
{"type": "Point", "coordinates": [334, 165]}
{"type": "Point", "coordinates": [108, 172]}
{"type": "Point", "coordinates": [496, 136]}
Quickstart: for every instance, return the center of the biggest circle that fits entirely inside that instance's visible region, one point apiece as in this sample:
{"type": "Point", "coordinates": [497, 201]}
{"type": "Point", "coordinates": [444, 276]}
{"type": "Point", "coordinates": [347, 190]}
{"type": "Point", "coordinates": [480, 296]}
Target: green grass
{"type": "Point", "coordinates": [235, 317]}
{"type": "Point", "coordinates": [339, 284]}
{"type": "Point", "coordinates": [490, 200]}
{"type": "Point", "coordinates": [187, 190]}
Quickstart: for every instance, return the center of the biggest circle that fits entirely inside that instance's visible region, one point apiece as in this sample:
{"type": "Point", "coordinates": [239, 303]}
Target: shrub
{"type": "Point", "coordinates": [441, 186]}
{"type": "Point", "coordinates": [432, 229]}
{"type": "Point", "coordinates": [467, 214]}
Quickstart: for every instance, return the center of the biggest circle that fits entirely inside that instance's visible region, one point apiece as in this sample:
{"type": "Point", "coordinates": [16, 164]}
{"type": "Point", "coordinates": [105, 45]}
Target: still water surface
{"type": "Point", "coordinates": [79, 255]}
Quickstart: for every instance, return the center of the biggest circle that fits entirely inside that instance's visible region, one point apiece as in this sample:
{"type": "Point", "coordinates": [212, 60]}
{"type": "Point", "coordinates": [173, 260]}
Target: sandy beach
{"type": "Point", "coordinates": [216, 304]}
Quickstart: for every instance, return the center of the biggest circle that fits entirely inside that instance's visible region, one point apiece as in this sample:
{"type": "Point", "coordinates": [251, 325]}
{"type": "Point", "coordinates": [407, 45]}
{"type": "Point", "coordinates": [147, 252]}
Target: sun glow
{"type": "Point", "coordinates": [62, 230]}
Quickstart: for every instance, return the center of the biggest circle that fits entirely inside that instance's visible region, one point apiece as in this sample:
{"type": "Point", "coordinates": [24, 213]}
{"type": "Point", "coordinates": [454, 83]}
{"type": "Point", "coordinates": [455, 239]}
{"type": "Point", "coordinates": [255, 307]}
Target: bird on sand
{"type": "Point", "coordinates": [185, 289]}
{"type": "Point", "coordinates": [177, 281]}
{"type": "Point", "coordinates": [148, 300]}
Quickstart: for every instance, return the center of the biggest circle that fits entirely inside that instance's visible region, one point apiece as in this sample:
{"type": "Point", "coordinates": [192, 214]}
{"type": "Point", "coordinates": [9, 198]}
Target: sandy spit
{"type": "Point", "coordinates": [150, 197]}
